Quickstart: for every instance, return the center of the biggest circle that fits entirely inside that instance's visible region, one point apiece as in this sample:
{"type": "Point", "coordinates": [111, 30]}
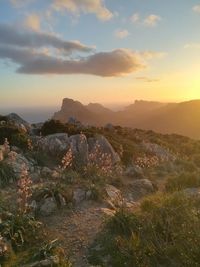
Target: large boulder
{"type": "Point", "coordinates": [101, 144]}
{"type": "Point", "coordinates": [140, 188]}
{"type": "Point", "coordinates": [17, 121]}
{"type": "Point", "coordinates": [17, 162]}
{"type": "Point", "coordinates": [54, 144]}
{"type": "Point", "coordinates": [157, 150]}
{"type": "Point", "coordinates": [114, 196]}
{"type": "Point", "coordinates": [79, 147]}
{"type": "Point", "coordinates": [134, 172]}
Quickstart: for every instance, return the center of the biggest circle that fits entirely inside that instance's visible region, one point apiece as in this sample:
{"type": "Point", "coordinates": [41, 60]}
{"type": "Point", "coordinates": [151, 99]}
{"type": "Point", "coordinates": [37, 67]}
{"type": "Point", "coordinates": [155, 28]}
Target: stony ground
{"type": "Point", "coordinates": [77, 229]}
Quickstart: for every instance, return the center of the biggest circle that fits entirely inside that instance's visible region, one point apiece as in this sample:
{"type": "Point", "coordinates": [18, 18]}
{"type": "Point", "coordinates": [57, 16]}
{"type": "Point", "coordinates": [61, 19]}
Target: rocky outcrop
{"type": "Point", "coordinates": [114, 196]}
{"type": "Point", "coordinates": [140, 188]}
{"type": "Point", "coordinates": [17, 162]}
{"type": "Point", "coordinates": [134, 172]}
{"type": "Point", "coordinates": [101, 144]}
{"type": "Point", "coordinates": [75, 109]}
{"type": "Point", "coordinates": [159, 151]}
{"type": "Point", "coordinates": [54, 144]}
{"type": "Point", "coordinates": [18, 122]}
{"type": "Point", "coordinates": [81, 147]}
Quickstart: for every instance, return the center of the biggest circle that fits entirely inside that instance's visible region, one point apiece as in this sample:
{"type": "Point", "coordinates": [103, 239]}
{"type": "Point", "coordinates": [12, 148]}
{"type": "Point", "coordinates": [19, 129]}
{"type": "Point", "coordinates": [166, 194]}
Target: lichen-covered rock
{"type": "Point", "coordinates": [158, 151]}
{"type": "Point", "coordinates": [140, 188]}
{"type": "Point", "coordinates": [17, 162]}
{"type": "Point", "coordinates": [104, 147]}
{"type": "Point", "coordinates": [114, 196]}
{"type": "Point", "coordinates": [135, 172]}
{"type": "Point", "coordinates": [55, 144]}
{"type": "Point", "coordinates": [79, 147]}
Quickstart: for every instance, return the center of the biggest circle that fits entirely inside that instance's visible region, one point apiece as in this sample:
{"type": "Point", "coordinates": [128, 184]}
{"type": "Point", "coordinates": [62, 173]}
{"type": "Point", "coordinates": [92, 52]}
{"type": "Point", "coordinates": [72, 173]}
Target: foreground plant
{"type": "Point", "coordinates": [24, 190]}
{"type": "Point", "coordinates": [165, 232]}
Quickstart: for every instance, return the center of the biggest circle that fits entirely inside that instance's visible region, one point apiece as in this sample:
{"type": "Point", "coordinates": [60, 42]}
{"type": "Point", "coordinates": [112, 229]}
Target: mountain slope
{"type": "Point", "coordinates": [180, 118]}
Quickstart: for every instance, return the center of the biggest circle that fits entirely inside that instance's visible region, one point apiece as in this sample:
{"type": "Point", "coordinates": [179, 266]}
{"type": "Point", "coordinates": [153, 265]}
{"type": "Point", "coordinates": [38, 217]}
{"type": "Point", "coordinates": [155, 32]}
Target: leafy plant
{"type": "Point", "coordinates": [20, 229]}
{"type": "Point", "coordinates": [6, 174]}
{"type": "Point", "coordinates": [165, 232]}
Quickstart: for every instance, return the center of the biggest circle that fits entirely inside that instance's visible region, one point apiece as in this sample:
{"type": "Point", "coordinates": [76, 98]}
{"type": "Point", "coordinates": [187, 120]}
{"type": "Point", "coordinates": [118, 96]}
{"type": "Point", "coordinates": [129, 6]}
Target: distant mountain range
{"type": "Point", "coordinates": [180, 118]}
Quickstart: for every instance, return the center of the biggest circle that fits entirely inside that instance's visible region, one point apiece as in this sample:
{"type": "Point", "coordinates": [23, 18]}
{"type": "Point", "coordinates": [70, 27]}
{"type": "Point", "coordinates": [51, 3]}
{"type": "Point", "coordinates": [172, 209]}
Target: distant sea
{"type": "Point", "coordinates": [31, 115]}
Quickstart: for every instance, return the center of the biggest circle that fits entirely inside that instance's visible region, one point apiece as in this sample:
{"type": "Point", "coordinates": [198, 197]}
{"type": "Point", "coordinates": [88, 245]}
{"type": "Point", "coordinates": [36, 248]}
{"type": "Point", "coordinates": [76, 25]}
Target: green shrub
{"type": "Point", "coordinates": [15, 136]}
{"type": "Point", "coordinates": [52, 127]}
{"type": "Point", "coordinates": [165, 232]}
{"type": "Point", "coordinates": [20, 229]}
{"type": "Point", "coordinates": [6, 174]}
{"type": "Point", "coordinates": [182, 181]}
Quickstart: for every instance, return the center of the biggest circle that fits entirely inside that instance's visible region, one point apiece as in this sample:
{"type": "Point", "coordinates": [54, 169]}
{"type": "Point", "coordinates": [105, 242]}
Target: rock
{"type": "Point", "coordinates": [79, 195]}
{"type": "Point", "coordinates": [16, 162]}
{"type": "Point", "coordinates": [140, 188]}
{"type": "Point", "coordinates": [104, 148]}
{"type": "Point", "coordinates": [59, 144]}
{"type": "Point", "coordinates": [159, 151]}
{"type": "Point", "coordinates": [79, 147]}
{"type": "Point", "coordinates": [134, 172]}
{"type": "Point", "coordinates": [115, 198]}
{"type": "Point", "coordinates": [55, 144]}
{"type": "Point", "coordinates": [48, 207]}
{"type": "Point", "coordinates": [18, 122]}
{"type": "Point", "coordinates": [192, 192]}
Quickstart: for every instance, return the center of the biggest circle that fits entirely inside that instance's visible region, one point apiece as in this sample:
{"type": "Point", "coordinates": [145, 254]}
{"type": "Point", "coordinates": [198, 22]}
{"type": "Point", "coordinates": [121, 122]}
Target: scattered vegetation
{"type": "Point", "coordinates": [164, 232]}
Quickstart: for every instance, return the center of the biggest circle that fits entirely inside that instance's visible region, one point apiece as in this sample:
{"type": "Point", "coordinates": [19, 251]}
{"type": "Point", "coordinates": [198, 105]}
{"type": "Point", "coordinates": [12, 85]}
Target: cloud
{"type": "Point", "coordinates": [196, 8]}
{"type": "Point", "coordinates": [96, 7]}
{"type": "Point", "coordinates": [192, 45]}
{"type": "Point", "coordinates": [32, 21]}
{"type": "Point", "coordinates": [148, 55]}
{"type": "Point", "coordinates": [20, 3]}
{"type": "Point", "coordinates": [152, 20]}
{"type": "Point", "coordinates": [121, 34]}
{"type": "Point", "coordinates": [106, 64]}
{"type": "Point", "coordinates": [37, 52]}
{"type": "Point", "coordinates": [31, 39]}
{"type": "Point", "coordinates": [147, 80]}
{"type": "Point", "coordinates": [135, 17]}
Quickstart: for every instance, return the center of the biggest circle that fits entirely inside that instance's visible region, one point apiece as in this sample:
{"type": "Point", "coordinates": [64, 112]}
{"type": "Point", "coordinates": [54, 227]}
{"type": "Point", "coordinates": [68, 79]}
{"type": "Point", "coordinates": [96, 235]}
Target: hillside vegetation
{"type": "Point", "coordinates": [75, 195]}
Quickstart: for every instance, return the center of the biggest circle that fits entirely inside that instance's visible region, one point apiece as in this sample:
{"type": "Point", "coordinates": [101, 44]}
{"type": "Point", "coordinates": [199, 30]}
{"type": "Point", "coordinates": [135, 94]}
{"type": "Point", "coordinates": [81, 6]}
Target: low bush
{"type": "Point", "coordinates": [165, 232]}
{"type": "Point", "coordinates": [15, 136]}
{"type": "Point", "coordinates": [182, 181]}
{"type": "Point", "coordinates": [6, 174]}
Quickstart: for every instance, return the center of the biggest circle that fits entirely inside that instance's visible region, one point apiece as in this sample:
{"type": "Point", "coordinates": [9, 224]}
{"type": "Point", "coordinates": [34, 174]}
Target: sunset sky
{"type": "Point", "coordinates": [112, 51]}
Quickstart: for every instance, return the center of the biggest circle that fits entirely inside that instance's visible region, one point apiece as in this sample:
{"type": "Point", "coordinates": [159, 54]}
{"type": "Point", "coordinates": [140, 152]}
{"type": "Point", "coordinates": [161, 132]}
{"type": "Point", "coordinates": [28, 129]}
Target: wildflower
{"type": "Point", "coordinates": [29, 144]}
{"type": "Point", "coordinates": [67, 160]}
{"type": "Point", "coordinates": [24, 189]}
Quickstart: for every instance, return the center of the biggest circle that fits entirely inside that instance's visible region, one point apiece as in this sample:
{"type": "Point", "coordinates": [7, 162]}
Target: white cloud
{"type": "Point", "coordinates": [77, 7]}
{"type": "Point", "coordinates": [36, 52]}
{"type": "Point", "coordinates": [135, 17]}
{"type": "Point", "coordinates": [192, 45]}
{"type": "Point", "coordinates": [196, 8]}
{"type": "Point", "coordinates": [121, 34]}
{"type": "Point", "coordinates": [152, 20]}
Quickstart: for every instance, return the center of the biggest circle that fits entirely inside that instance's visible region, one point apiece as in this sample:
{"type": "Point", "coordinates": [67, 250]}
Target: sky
{"type": "Point", "coordinates": [111, 51]}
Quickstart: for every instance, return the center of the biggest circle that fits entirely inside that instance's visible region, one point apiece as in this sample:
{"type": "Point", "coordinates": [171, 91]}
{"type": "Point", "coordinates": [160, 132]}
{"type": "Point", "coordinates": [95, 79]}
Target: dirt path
{"type": "Point", "coordinates": [77, 230]}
